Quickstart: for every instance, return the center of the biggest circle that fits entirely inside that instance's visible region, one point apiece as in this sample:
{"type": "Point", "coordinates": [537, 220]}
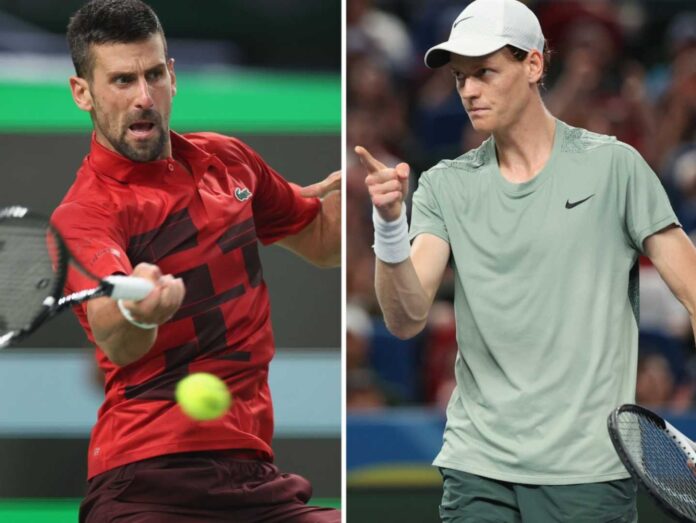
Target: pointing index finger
{"type": "Point", "coordinates": [371, 164]}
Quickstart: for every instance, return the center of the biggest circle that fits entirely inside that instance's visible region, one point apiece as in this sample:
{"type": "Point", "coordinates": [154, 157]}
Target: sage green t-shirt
{"type": "Point", "coordinates": [546, 303]}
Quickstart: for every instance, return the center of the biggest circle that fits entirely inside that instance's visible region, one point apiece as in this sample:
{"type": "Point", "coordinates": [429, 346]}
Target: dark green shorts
{"type": "Point", "coordinates": [474, 499]}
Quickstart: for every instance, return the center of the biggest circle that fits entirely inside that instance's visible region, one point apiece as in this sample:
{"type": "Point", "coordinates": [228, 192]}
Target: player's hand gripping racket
{"type": "Point", "coordinates": [658, 456]}
{"type": "Point", "coordinates": [33, 267]}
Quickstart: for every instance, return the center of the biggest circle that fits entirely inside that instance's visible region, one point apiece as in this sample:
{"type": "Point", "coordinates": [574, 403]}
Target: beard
{"type": "Point", "coordinates": [146, 150]}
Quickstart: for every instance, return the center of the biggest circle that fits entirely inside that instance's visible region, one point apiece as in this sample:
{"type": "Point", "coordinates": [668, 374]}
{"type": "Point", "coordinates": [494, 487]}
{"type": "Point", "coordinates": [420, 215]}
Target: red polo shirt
{"type": "Point", "coordinates": [197, 216]}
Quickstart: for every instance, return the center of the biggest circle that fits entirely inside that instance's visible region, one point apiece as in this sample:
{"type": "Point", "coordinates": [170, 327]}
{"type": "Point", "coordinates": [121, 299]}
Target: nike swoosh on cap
{"type": "Point", "coordinates": [460, 21]}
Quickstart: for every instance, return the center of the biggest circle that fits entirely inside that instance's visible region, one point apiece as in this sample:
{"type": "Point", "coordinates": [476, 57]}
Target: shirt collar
{"type": "Point", "coordinates": [114, 165]}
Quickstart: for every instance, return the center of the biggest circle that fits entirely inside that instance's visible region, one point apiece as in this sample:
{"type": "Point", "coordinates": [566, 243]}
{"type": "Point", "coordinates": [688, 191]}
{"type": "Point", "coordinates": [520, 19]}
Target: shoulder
{"type": "Point", "coordinates": [81, 213]}
{"type": "Point", "coordinates": [600, 153]}
{"type": "Point", "coordinates": [577, 140]}
{"type": "Point", "coordinates": [92, 199]}
{"type": "Point", "coordinates": [469, 163]}
{"type": "Point", "coordinates": [92, 191]}
{"type": "Point", "coordinates": [227, 148]}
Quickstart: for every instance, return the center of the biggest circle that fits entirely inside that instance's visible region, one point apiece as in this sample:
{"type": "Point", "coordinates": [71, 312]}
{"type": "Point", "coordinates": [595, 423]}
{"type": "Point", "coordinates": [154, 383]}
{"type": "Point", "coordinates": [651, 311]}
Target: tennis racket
{"type": "Point", "coordinates": [658, 456]}
{"type": "Point", "coordinates": [34, 263]}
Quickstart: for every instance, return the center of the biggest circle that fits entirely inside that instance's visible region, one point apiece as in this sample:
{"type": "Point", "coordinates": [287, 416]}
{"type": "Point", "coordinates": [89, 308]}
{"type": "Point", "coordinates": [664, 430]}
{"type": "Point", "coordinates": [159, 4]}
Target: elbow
{"type": "Point", "coordinates": [122, 354]}
{"type": "Point", "coordinates": [120, 342]}
{"type": "Point", "coordinates": [404, 322]}
{"type": "Point", "coordinates": [405, 331]}
{"type": "Point", "coordinates": [119, 358]}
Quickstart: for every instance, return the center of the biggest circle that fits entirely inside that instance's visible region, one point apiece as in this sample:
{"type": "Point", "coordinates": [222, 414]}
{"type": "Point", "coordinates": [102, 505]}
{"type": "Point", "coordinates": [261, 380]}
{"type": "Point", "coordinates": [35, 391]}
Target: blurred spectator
{"type": "Point", "coordinates": [655, 382]}
{"type": "Point", "coordinates": [593, 90]}
{"type": "Point", "coordinates": [660, 312]}
{"type": "Point", "coordinates": [379, 34]}
{"type": "Point", "coordinates": [657, 387]}
{"type": "Point", "coordinates": [677, 105]}
{"type": "Point", "coordinates": [363, 391]}
{"type": "Point", "coordinates": [680, 180]}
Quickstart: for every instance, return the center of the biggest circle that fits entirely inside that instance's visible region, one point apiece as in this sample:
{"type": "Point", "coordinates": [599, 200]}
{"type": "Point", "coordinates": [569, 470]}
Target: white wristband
{"type": "Point", "coordinates": [129, 317]}
{"type": "Point", "coordinates": [391, 238]}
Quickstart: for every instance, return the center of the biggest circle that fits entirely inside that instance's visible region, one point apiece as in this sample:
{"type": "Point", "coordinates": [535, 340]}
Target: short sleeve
{"type": "Point", "coordinates": [647, 207]}
{"type": "Point", "coordinates": [95, 241]}
{"type": "Point", "coordinates": [279, 210]}
{"type": "Point", "coordinates": [426, 214]}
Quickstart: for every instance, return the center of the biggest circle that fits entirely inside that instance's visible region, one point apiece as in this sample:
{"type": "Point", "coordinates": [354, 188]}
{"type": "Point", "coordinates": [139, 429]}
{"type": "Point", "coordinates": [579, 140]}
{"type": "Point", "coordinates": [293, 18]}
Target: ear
{"type": "Point", "coordinates": [535, 66]}
{"type": "Point", "coordinates": [172, 75]}
{"type": "Point", "coordinates": [81, 94]}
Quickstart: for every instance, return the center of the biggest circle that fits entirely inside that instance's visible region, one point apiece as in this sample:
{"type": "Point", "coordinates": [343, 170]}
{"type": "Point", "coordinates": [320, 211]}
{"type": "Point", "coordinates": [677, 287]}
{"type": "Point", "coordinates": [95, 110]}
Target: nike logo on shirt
{"type": "Point", "coordinates": [575, 204]}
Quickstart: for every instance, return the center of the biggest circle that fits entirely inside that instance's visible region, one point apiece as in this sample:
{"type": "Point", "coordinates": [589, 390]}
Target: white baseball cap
{"type": "Point", "coordinates": [486, 26]}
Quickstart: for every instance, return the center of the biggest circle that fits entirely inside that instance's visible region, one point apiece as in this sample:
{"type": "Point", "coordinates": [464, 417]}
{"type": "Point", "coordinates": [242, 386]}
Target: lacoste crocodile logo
{"type": "Point", "coordinates": [575, 204]}
{"type": "Point", "coordinates": [242, 194]}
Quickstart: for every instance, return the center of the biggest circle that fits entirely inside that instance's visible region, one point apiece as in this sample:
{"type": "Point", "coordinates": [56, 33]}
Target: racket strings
{"type": "Point", "coordinates": [27, 258]}
{"type": "Point", "coordinates": [660, 461]}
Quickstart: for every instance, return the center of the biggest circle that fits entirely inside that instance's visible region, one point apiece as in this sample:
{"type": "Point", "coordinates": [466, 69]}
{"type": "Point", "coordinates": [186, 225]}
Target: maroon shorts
{"type": "Point", "coordinates": [201, 487]}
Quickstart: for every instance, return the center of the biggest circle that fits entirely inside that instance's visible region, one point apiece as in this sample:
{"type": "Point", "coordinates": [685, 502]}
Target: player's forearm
{"type": "Point", "coordinates": [122, 342]}
{"type": "Point", "coordinates": [330, 231]}
{"type": "Point", "coordinates": [320, 242]}
{"type": "Point", "coordinates": [404, 302]}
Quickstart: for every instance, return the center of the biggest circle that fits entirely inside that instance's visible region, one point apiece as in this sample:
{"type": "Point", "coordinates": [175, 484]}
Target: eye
{"type": "Point", "coordinates": [457, 75]}
{"type": "Point", "coordinates": [155, 75]}
{"type": "Point", "coordinates": [122, 80]}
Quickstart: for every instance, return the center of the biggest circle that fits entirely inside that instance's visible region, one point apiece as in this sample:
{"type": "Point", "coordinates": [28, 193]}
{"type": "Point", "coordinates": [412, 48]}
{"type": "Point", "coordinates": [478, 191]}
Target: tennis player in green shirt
{"type": "Point", "coordinates": [543, 225]}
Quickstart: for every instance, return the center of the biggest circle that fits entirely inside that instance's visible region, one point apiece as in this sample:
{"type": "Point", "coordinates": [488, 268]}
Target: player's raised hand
{"type": "Point", "coordinates": [320, 189]}
{"type": "Point", "coordinates": [387, 186]}
{"type": "Point", "coordinates": [162, 302]}
{"type": "Point", "coordinates": [320, 242]}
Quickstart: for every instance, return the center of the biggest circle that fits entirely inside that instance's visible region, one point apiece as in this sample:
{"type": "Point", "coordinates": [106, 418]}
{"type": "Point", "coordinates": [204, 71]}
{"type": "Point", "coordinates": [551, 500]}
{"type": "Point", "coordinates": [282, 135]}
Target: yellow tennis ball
{"type": "Point", "coordinates": [203, 396]}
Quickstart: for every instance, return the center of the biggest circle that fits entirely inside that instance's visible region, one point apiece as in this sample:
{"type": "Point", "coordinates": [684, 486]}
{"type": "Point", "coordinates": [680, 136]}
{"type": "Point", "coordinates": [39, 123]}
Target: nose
{"type": "Point", "coordinates": [469, 89]}
{"type": "Point", "coordinates": [144, 99]}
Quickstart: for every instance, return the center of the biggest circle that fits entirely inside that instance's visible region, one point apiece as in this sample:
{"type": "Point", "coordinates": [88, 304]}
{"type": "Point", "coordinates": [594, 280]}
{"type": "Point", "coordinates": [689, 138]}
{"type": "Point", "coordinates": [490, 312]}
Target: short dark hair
{"type": "Point", "coordinates": [520, 54]}
{"type": "Point", "coordinates": [109, 22]}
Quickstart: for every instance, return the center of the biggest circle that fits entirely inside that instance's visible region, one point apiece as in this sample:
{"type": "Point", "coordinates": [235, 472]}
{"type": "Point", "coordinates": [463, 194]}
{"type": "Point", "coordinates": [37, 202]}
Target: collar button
{"type": "Point", "coordinates": [170, 167]}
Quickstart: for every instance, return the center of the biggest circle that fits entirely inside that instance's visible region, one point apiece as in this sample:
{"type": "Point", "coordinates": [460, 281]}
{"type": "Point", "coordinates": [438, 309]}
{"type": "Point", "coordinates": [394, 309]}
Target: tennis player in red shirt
{"type": "Point", "coordinates": [186, 212]}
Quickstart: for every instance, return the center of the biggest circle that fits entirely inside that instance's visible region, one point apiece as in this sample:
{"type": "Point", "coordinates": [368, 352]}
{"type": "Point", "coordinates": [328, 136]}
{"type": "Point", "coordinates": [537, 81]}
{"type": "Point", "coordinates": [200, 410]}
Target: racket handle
{"type": "Point", "coordinates": [129, 287]}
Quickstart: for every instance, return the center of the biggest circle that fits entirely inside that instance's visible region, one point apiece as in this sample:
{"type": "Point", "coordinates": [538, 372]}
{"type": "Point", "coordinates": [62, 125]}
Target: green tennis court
{"type": "Point", "coordinates": [65, 510]}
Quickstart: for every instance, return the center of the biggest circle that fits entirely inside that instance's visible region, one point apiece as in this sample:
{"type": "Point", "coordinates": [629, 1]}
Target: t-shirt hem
{"type": "Point", "coordinates": [531, 479]}
{"type": "Point", "coordinates": [188, 446]}
{"type": "Point", "coordinates": [656, 227]}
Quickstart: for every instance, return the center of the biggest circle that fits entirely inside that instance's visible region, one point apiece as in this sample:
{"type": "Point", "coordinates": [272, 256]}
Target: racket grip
{"type": "Point", "coordinates": [129, 287]}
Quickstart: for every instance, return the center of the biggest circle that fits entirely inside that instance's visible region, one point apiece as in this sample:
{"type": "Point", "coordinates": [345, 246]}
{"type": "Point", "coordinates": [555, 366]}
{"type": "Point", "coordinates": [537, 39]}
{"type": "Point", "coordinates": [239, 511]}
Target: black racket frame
{"type": "Point", "coordinates": [633, 469]}
{"type": "Point", "coordinates": [62, 262]}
